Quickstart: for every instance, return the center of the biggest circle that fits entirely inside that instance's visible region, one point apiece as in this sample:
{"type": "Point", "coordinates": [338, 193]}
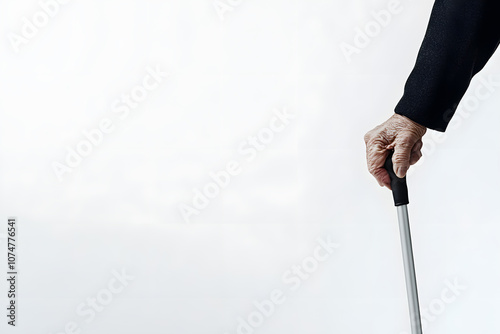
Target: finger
{"type": "Point", "coordinates": [375, 157]}
{"type": "Point", "coordinates": [415, 157]}
{"type": "Point", "coordinates": [382, 177]}
{"type": "Point", "coordinates": [418, 146]}
{"type": "Point", "coordinates": [401, 157]}
{"type": "Point", "coordinates": [416, 152]}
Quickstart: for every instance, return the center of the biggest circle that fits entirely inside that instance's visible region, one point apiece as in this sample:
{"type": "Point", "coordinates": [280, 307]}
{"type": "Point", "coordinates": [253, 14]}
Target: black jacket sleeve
{"type": "Point", "coordinates": [461, 37]}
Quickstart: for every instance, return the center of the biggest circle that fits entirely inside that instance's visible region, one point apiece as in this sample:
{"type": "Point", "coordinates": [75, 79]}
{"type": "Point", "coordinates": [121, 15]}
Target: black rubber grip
{"type": "Point", "coordinates": [399, 188]}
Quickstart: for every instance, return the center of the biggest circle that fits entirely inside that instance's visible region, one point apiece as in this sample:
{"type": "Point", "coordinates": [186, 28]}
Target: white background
{"type": "Point", "coordinates": [119, 209]}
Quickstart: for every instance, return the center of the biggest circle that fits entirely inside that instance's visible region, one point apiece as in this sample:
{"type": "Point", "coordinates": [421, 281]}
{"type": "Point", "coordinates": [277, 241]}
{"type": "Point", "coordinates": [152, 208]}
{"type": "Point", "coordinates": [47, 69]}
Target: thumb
{"type": "Point", "coordinates": [401, 157]}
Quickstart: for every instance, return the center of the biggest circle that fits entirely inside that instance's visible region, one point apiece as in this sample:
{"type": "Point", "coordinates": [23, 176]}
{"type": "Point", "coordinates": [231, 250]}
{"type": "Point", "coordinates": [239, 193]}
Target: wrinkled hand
{"type": "Point", "coordinates": [401, 134]}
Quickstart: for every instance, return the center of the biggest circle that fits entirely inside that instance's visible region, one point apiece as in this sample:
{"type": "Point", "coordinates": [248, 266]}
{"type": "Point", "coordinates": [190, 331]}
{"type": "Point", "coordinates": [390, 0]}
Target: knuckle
{"type": "Point", "coordinates": [405, 142]}
{"type": "Point", "coordinates": [367, 137]}
{"type": "Point", "coordinates": [377, 173]}
{"type": "Point", "coordinates": [377, 142]}
{"type": "Point", "coordinates": [373, 170]}
{"type": "Point", "coordinates": [400, 159]}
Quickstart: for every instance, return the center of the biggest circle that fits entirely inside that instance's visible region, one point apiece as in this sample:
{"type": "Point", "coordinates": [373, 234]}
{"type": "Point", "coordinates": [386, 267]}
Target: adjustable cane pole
{"type": "Point", "coordinates": [400, 194]}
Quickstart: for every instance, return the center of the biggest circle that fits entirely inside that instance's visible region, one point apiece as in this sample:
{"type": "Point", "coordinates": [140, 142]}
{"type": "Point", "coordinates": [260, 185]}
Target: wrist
{"type": "Point", "coordinates": [410, 123]}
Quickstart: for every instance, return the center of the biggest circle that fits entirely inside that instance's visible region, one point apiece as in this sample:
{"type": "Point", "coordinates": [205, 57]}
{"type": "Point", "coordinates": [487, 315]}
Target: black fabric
{"type": "Point", "coordinates": [461, 37]}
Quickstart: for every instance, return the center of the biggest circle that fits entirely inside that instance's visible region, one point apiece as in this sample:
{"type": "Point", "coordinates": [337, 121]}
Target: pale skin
{"type": "Point", "coordinates": [400, 134]}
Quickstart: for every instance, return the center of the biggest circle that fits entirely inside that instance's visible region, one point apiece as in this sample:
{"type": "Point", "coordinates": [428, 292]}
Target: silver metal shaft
{"type": "Point", "coordinates": [411, 281]}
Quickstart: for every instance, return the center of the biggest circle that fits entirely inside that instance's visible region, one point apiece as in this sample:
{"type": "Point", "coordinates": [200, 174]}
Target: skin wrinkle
{"type": "Point", "coordinates": [398, 133]}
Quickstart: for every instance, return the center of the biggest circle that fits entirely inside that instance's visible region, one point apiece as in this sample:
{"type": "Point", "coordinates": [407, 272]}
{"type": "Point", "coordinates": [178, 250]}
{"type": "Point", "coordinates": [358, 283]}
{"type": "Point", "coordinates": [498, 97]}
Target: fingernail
{"type": "Point", "coordinates": [401, 171]}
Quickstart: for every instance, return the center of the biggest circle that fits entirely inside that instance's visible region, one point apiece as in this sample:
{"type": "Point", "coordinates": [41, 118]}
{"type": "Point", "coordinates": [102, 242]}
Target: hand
{"type": "Point", "coordinates": [401, 134]}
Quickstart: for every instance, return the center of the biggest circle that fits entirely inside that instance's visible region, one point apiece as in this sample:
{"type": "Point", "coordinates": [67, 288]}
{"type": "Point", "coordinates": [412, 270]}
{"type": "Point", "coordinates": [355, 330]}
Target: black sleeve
{"type": "Point", "coordinates": [461, 37]}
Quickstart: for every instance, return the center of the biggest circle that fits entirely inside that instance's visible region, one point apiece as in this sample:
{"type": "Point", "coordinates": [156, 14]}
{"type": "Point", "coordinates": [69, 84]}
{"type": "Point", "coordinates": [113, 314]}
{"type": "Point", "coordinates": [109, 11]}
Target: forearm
{"type": "Point", "coordinates": [461, 37]}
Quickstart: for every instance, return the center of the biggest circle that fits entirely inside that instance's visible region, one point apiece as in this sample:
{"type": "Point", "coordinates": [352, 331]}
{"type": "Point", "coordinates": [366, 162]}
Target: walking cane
{"type": "Point", "coordinates": [400, 194]}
